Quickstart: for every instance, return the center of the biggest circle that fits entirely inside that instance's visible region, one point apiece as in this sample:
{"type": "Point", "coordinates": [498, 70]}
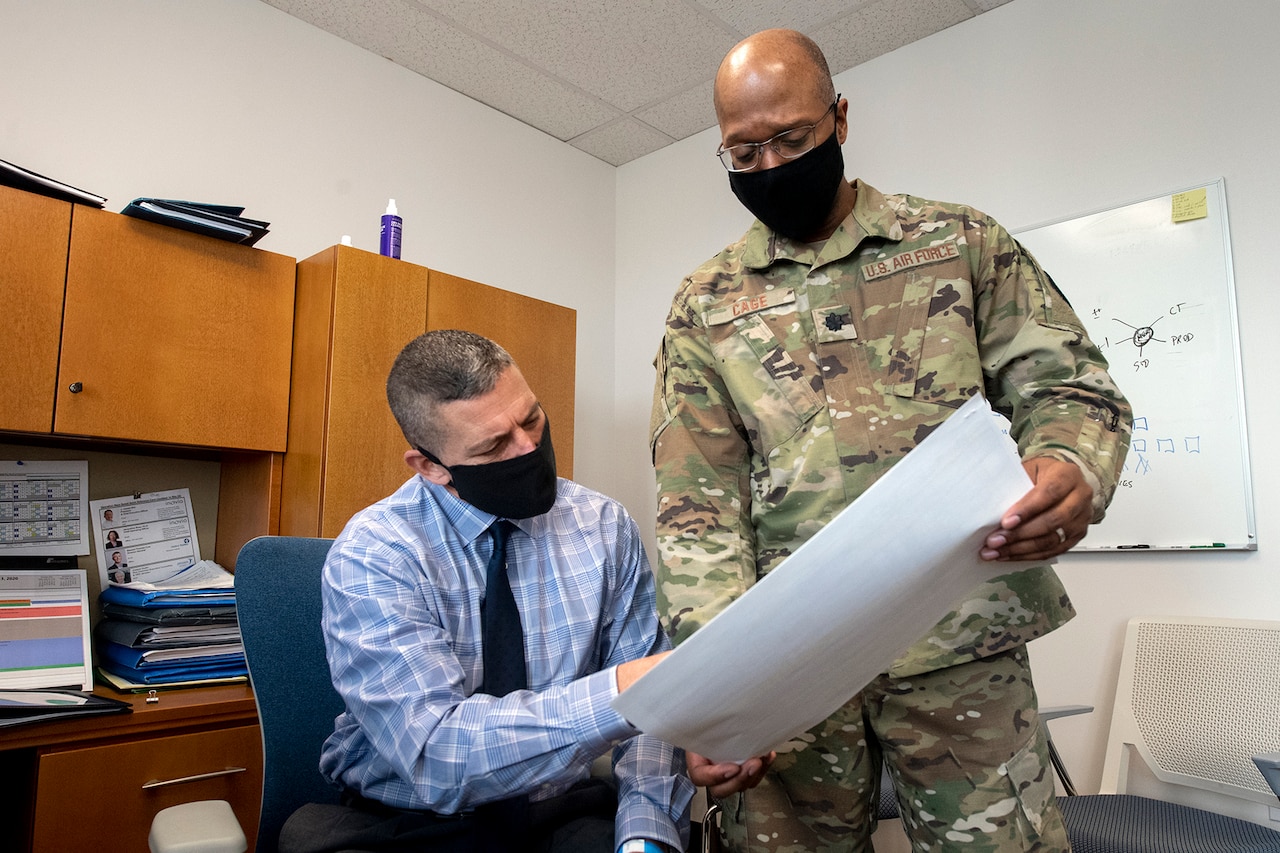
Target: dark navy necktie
{"type": "Point", "coordinates": [502, 638]}
{"type": "Point", "coordinates": [502, 824]}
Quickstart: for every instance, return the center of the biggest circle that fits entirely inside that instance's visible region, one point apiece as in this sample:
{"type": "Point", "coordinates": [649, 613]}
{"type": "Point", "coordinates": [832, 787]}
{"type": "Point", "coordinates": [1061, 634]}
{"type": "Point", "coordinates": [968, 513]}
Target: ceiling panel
{"type": "Point", "coordinates": [615, 79]}
{"type": "Point", "coordinates": [878, 28]}
{"type": "Point", "coordinates": [663, 45]}
{"type": "Point", "coordinates": [751, 16]}
{"type": "Point", "coordinates": [622, 141]}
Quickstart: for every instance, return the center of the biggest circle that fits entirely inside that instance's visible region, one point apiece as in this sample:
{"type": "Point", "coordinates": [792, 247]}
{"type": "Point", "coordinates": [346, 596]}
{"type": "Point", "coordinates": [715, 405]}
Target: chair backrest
{"type": "Point", "coordinates": [278, 603]}
{"type": "Point", "coordinates": [1195, 701]}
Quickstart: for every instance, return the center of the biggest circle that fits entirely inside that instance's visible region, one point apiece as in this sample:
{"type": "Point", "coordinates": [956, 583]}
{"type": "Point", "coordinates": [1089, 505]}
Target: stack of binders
{"type": "Point", "coordinates": [213, 220]}
{"type": "Point", "coordinates": [172, 636]}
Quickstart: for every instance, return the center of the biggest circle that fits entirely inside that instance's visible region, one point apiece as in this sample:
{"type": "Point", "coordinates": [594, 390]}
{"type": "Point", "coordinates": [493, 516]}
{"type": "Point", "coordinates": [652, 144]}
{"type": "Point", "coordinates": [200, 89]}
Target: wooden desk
{"type": "Point", "coordinates": [91, 783]}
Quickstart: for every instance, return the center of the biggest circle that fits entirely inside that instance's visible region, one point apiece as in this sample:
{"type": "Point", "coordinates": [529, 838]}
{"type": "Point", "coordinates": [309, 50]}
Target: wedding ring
{"type": "Point", "coordinates": [1062, 535]}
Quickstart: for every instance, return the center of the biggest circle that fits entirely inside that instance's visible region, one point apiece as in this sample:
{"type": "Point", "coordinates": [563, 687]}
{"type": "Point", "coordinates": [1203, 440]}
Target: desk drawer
{"type": "Point", "coordinates": [103, 797]}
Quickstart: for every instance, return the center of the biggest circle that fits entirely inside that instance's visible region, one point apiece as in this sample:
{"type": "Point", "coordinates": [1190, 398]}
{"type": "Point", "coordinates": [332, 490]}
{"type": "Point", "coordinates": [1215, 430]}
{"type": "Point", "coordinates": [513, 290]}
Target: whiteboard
{"type": "Point", "coordinates": [1158, 298]}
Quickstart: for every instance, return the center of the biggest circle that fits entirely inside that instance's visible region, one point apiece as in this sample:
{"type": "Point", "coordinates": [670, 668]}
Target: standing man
{"type": "Point", "coordinates": [438, 749]}
{"type": "Point", "coordinates": [798, 366]}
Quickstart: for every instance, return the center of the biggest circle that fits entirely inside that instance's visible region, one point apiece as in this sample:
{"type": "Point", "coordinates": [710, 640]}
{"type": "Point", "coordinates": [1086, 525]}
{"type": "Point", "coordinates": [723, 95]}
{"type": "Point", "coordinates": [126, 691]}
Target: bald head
{"type": "Point", "coordinates": [778, 63]}
{"type": "Point", "coordinates": [776, 106]}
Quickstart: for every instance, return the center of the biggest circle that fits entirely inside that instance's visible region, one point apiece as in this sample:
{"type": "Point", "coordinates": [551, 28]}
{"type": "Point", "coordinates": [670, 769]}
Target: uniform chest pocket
{"type": "Point", "coordinates": [917, 329]}
{"type": "Point", "coordinates": [773, 391]}
{"type": "Point", "coordinates": [891, 315]}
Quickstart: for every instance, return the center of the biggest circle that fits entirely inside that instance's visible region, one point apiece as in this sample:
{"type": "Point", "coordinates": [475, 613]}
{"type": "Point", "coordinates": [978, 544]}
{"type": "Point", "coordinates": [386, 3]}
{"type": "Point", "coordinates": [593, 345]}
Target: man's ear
{"type": "Point", "coordinates": [437, 474]}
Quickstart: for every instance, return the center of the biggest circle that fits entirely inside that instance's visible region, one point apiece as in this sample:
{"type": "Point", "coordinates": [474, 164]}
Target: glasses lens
{"type": "Point", "coordinates": [794, 142]}
{"type": "Point", "coordinates": [740, 158]}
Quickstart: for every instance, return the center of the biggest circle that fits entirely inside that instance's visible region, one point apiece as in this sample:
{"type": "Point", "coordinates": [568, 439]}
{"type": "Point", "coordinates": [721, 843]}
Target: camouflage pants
{"type": "Point", "coordinates": [967, 753]}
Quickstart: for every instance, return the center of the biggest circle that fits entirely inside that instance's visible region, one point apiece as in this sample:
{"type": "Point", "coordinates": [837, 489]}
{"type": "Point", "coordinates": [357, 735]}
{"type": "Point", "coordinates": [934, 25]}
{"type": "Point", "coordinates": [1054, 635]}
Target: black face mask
{"type": "Point", "coordinates": [520, 487]}
{"type": "Point", "coordinates": [795, 198]}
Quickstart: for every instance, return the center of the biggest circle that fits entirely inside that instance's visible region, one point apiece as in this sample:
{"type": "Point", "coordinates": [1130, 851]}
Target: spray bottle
{"type": "Point", "coordinates": [389, 245]}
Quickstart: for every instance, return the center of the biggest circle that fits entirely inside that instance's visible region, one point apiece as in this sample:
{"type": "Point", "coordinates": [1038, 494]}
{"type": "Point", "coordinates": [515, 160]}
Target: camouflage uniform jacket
{"type": "Point", "coordinates": [790, 379]}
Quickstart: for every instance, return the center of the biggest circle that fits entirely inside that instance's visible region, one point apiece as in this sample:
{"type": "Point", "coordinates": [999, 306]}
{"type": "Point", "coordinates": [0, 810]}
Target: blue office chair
{"type": "Point", "coordinates": [278, 604]}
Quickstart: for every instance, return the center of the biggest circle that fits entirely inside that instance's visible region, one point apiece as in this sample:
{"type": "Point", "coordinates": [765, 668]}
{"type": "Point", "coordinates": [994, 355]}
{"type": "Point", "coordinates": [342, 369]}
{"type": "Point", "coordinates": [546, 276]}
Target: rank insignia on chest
{"type": "Point", "coordinates": [834, 323]}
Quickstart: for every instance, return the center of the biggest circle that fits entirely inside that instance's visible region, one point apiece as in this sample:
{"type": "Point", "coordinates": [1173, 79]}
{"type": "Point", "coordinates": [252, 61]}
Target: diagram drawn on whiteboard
{"type": "Point", "coordinates": [1142, 336]}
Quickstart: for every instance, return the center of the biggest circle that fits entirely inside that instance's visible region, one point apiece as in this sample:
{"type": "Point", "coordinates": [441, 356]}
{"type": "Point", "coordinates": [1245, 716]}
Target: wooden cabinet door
{"type": "Point", "coordinates": [356, 311]}
{"type": "Point", "coordinates": [541, 337]}
{"type": "Point", "coordinates": [34, 232]}
{"type": "Point", "coordinates": [102, 798]}
{"type": "Point", "coordinates": [173, 337]}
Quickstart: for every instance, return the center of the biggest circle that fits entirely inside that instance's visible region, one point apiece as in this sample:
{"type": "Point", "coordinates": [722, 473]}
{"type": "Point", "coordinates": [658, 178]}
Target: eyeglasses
{"type": "Point", "coordinates": [789, 145]}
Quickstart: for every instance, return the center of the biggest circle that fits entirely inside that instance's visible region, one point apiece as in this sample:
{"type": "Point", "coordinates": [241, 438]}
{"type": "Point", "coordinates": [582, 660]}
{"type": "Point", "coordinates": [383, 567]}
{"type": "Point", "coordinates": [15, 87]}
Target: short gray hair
{"type": "Point", "coordinates": [439, 367]}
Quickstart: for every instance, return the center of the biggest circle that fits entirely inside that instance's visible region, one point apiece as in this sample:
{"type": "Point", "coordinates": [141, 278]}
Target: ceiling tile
{"type": "Point", "coordinates": [683, 114]}
{"type": "Point", "coordinates": [420, 41]}
{"type": "Point", "coordinates": [885, 26]}
{"type": "Point", "coordinates": [751, 16]}
{"type": "Point", "coordinates": [653, 46]}
{"type": "Point", "coordinates": [621, 141]}
{"type": "Point", "coordinates": [985, 5]}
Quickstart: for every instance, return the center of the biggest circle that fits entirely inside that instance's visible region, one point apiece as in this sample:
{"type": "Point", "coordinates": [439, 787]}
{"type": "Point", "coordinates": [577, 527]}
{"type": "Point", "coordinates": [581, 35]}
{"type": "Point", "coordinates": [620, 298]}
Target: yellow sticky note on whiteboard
{"type": "Point", "coordinates": [1189, 205]}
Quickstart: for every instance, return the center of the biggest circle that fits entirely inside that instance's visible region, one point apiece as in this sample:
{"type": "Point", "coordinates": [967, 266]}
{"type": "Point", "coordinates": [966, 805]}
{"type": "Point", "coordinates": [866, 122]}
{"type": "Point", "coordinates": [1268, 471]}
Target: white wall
{"type": "Point", "coordinates": [1035, 111]}
{"type": "Point", "coordinates": [233, 101]}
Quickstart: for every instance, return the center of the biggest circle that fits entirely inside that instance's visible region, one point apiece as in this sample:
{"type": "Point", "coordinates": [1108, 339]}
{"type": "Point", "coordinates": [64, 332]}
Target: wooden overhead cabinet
{"type": "Point", "coordinates": [173, 337]}
{"type": "Point", "coordinates": [122, 329]}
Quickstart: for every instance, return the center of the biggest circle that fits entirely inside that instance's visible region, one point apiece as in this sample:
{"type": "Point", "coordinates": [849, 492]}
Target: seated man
{"type": "Point", "coordinates": [437, 749]}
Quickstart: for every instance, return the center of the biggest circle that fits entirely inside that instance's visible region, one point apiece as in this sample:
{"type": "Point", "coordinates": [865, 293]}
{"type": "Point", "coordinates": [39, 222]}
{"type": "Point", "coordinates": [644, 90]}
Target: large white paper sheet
{"type": "Point", "coordinates": [836, 613]}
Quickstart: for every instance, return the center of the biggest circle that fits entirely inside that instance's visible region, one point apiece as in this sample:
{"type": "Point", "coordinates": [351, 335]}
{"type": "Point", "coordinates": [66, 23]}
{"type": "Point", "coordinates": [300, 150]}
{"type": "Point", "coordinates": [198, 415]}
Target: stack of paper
{"type": "Point", "coordinates": [159, 636]}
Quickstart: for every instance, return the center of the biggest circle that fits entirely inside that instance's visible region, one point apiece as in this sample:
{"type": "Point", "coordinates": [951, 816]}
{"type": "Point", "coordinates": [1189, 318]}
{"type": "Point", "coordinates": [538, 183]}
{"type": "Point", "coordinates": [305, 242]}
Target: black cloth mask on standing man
{"type": "Point", "coordinates": [795, 198]}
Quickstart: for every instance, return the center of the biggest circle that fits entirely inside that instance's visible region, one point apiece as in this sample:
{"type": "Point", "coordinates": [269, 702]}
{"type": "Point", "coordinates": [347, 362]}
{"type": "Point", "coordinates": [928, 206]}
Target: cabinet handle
{"type": "Point", "coordinates": [160, 783]}
{"type": "Point", "coordinates": [75, 387]}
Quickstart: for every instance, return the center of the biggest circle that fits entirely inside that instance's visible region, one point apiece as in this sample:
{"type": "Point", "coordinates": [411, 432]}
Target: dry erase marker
{"type": "Point", "coordinates": [1132, 547]}
{"type": "Point", "coordinates": [1214, 545]}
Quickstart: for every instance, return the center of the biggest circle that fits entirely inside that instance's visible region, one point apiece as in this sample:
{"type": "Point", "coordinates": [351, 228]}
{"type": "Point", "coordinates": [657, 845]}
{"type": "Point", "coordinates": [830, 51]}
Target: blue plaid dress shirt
{"type": "Point", "coordinates": [402, 590]}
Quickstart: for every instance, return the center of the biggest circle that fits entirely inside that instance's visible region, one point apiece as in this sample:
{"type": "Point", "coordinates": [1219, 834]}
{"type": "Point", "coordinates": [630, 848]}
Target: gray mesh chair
{"type": "Point", "coordinates": [1196, 701]}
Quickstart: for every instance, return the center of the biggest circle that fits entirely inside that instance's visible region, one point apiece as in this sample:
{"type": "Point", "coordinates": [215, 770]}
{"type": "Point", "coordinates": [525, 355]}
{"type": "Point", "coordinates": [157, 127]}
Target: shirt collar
{"type": "Point", "coordinates": [872, 216]}
{"type": "Point", "coordinates": [470, 522]}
